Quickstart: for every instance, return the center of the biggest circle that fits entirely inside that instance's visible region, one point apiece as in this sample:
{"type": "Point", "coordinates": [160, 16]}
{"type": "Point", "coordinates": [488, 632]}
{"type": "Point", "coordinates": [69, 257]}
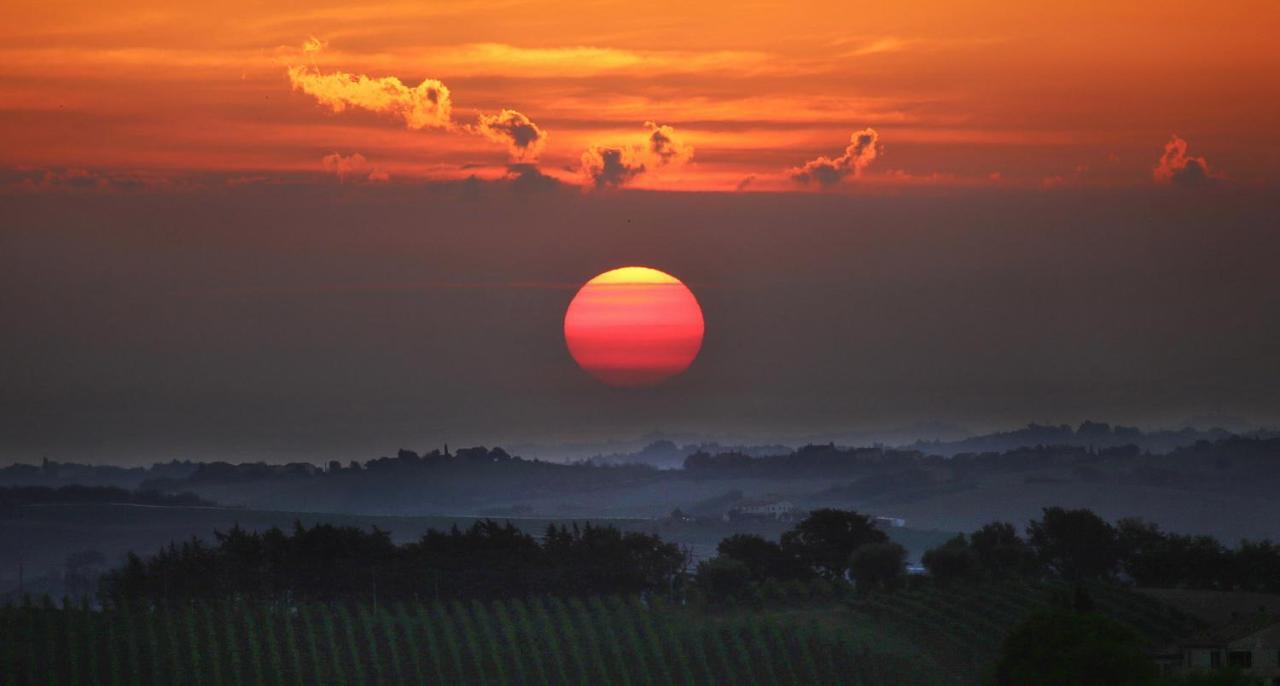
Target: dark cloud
{"type": "Point", "coordinates": [527, 177]}
{"type": "Point", "coordinates": [863, 148]}
{"type": "Point", "coordinates": [611, 167]}
{"type": "Point", "coordinates": [665, 146]}
{"type": "Point", "coordinates": [524, 140]}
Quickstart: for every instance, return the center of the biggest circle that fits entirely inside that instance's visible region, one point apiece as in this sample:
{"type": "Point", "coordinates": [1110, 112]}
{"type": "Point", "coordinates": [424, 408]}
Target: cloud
{"type": "Point", "coordinates": [82, 180]}
{"type": "Point", "coordinates": [610, 166]}
{"type": "Point", "coordinates": [665, 146]}
{"type": "Point", "coordinates": [744, 183]}
{"type": "Point", "coordinates": [527, 177]}
{"type": "Point", "coordinates": [353, 166]}
{"type": "Point", "coordinates": [314, 45]}
{"type": "Point", "coordinates": [426, 105]}
{"type": "Point", "coordinates": [524, 140]}
{"type": "Point", "coordinates": [1176, 167]}
{"type": "Point", "coordinates": [863, 148]}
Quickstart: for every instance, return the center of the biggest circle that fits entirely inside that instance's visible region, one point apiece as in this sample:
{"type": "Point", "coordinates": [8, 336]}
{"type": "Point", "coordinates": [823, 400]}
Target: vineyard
{"type": "Point", "coordinates": [546, 641]}
{"type": "Point", "coordinates": [963, 626]}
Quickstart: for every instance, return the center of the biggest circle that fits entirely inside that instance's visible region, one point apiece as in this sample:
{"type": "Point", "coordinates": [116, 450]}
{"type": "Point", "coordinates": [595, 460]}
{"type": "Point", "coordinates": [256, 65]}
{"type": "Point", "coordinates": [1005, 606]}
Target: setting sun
{"type": "Point", "coordinates": [634, 326]}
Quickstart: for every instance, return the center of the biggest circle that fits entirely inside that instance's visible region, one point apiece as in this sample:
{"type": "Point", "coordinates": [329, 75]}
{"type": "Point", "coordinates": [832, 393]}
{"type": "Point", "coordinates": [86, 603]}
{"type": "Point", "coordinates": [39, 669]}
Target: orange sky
{"type": "Point", "coordinates": [969, 94]}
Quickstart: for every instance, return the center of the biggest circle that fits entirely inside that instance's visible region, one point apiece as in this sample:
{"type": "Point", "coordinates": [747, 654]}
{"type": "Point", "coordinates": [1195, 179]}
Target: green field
{"type": "Point", "coordinates": [963, 626]}
{"type": "Point", "coordinates": [927, 634]}
{"type": "Point", "coordinates": [549, 641]}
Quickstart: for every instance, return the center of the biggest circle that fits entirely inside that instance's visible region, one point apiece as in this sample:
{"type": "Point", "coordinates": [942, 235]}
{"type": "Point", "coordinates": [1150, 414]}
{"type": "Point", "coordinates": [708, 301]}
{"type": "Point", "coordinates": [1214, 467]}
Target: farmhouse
{"type": "Point", "coordinates": [761, 508]}
{"type": "Point", "coordinates": [1250, 643]}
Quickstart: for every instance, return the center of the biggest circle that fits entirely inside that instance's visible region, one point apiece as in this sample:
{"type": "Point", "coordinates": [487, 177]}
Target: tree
{"type": "Point", "coordinates": [952, 560]}
{"type": "Point", "coordinates": [1063, 648]}
{"type": "Point", "coordinates": [825, 539]}
{"type": "Point", "coordinates": [878, 565]}
{"type": "Point", "coordinates": [765, 559]}
{"type": "Point", "coordinates": [1075, 544]}
{"type": "Point", "coordinates": [1148, 555]}
{"type": "Point", "coordinates": [721, 578]}
{"type": "Point", "coordinates": [1001, 552]}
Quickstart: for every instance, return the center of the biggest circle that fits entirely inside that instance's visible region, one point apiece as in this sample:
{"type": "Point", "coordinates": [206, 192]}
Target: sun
{"type": "Point", "coordinates": [633, 327]}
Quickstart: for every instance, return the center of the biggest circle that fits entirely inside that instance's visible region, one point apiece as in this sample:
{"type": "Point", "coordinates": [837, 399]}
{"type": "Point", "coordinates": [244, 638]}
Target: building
{"type": "Point", "coordinates": [1249, 642]}
{"type": "Point", "coordinates": [761, 508]}
{"type": "Point", "coordinates": [883, 522]}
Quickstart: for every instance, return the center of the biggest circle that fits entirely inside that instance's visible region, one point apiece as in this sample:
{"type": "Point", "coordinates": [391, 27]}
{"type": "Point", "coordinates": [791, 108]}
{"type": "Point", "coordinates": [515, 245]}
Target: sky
{"type": "Point", "coordinates": [332, 229]}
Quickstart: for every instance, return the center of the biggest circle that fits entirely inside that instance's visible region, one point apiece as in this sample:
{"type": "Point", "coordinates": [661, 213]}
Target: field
{"type": "Point", "coordinates": [549, 641]}
{"type": "Point", "coordinates": [963, 626]}
{"type": "Point", "coordinates": [924, 634]}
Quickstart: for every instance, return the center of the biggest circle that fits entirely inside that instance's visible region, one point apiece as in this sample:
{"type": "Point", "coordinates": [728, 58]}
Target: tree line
{"type": "Point", "coordinates": [1074, 546]}
{"type": "Point", "coordinates": [1078, 545]}
{"type": "Point", "coordinates": [16, 496]}
{"type": "Point", "coordinates": [324, 563]}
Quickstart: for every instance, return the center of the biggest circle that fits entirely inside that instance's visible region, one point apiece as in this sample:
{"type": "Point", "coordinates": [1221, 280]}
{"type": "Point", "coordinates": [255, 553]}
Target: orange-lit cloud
{"type": "Point", "coordinates": [352, 167]}
{"type": "Point", "coordinates": [524, 140]}
{"type": "Point", "coordinates": [422, 106]}
{"type": "Point", "coordinates": [610, 166]}
{"type": "Point", "coordinates": [1176, 167]}
{"type": "Point", "coordinates": [863, 148]}
{"type": "Point", "coordinates": [957, 93]}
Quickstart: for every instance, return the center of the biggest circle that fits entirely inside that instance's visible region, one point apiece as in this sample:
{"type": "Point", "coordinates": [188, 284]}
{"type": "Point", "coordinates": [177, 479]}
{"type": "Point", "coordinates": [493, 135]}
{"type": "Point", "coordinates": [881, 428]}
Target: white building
{"type": "Point", "coordinates": [769, 508]}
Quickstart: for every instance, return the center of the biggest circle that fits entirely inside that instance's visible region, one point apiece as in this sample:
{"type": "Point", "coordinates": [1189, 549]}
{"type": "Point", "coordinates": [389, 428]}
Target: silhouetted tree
{"type": "Point", "coordinates": [1063, 648]}
{"type": "Point", "coordinates": [1075, 544]}
{"type": "Point", "coordinates": [878, 565]}
{"type": "Point", "coordinates": [722, 578]}
{"type": "Point", "coordinates": [952, 561]}
{"type": "Point", "coordinates": [1001, 552]}
{"type": "Point", "coordinates": [764, 559]}
{"type": "Point", "coordinates": [825, 539]}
